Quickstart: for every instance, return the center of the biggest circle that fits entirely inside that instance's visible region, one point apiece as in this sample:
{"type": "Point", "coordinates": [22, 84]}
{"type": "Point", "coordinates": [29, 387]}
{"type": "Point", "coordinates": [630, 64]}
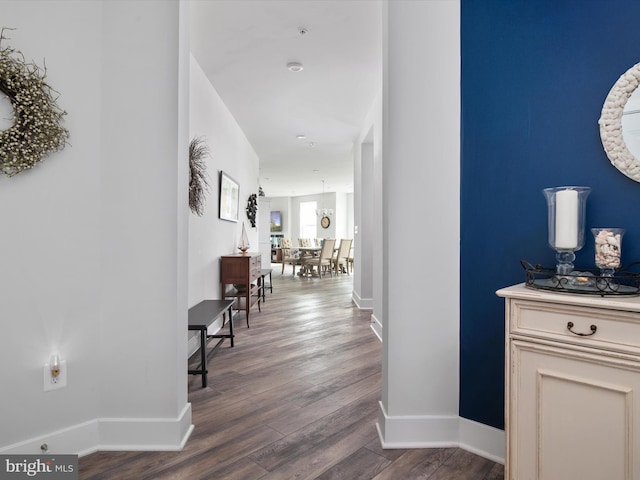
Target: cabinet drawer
{"type": "Point", "coordinates": [614, 329]}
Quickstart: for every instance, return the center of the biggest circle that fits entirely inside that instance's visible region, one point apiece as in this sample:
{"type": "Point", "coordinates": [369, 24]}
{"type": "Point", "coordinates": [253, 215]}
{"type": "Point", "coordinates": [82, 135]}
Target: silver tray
{"type": "Point", "coordinates": [583, 281]}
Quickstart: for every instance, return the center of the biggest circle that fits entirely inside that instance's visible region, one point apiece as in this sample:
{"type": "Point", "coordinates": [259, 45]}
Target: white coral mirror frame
{"type": "Point", "coordinates": [620, 124]}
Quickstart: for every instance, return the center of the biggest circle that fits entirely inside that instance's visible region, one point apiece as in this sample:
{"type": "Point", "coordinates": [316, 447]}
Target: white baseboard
{"type": "Point", "coordinates": [70, 440]}
{"type": "Point", "coordinates": [415, 431]}
{"type": "Point", "coordinates": [138, 434]}
{"type": "Point", "coordinates": [146, 433]}
{"type": "Point", "coordinates": [361, 303]}
{"type": "Point", "coordinates": [376, 326]}
{"type": "Point", "coordinates": [483, 440]}
{"type": "Point", "coordinates": [432, 431]}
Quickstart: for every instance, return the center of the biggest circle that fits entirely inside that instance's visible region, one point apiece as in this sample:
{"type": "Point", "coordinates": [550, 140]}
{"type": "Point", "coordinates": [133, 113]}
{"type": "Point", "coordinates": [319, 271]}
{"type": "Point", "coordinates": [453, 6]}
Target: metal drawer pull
{"type": "Point", "coordinates": [593, 330]}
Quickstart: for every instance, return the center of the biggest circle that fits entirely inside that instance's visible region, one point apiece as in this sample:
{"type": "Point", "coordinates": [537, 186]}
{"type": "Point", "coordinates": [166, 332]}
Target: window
{"type": "Point", "coordinates": [308, 220]}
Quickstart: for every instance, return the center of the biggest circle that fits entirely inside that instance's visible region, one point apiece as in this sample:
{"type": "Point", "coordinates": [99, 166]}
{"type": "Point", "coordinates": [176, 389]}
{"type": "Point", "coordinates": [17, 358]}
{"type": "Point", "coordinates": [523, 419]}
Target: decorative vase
{"type": "Point", "coordinates": [566, 207]}
{"type": "Point", "coordinates": [244, 241]}
{"type": "Point", "coordinates": [608, 243]}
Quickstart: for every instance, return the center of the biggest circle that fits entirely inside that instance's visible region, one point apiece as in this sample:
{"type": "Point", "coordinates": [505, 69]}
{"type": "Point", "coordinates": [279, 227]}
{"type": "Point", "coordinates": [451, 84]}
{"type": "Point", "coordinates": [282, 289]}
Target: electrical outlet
{"type": "Point", "coordinates": [53, 383]}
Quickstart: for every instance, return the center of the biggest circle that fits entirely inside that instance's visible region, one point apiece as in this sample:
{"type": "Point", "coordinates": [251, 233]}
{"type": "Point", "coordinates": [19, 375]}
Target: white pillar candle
{"type": "Point", "coordinates": [566, 219]}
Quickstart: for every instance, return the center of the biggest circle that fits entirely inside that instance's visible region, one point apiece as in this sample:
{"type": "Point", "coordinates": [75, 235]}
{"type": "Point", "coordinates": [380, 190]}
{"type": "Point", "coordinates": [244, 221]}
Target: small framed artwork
{"type": "Point", "coordinates": [229, 198]}
{"type": "Point", "coordinates": [276, 222]}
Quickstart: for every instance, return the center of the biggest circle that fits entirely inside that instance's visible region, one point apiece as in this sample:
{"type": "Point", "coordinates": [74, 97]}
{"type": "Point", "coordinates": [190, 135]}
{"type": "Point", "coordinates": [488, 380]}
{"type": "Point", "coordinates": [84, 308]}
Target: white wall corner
{"type": "Point", "coordinates": [434, 431]}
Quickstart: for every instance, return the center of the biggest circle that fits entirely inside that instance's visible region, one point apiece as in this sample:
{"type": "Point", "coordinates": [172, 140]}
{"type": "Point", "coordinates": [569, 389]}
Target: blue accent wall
{"type": "Point", "coordinates": [534, 77]}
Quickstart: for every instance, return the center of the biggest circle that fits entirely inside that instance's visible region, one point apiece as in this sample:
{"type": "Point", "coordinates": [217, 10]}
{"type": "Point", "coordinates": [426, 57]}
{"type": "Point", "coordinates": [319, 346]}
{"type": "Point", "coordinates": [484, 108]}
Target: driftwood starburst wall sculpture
{"type": "Point", "coordinates": [36, 130]}
{"type": "Point", "coordinates": [198, 178]}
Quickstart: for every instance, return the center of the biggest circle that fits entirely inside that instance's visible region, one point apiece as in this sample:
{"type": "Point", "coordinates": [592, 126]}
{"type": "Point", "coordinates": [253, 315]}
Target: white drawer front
{"type": "Point", "coordinates": [614, 329]}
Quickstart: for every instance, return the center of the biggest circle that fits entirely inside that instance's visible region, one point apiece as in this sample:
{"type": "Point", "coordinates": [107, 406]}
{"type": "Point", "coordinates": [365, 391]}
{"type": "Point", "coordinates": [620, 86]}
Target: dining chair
{"type": "Point", "coordinates": [304, 242]}
{"type": "Point", "coordinates": [323, 260]}
{"type": "Point", "coordinates": [341, 258]}
{"type": "Point", "coordinates": [289, 254]}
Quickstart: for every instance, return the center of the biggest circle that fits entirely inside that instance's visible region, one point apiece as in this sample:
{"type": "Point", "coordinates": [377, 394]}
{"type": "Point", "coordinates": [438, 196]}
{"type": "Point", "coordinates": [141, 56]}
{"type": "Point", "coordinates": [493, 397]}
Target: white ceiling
{"type": "Point", "coordinates": [244, 46]}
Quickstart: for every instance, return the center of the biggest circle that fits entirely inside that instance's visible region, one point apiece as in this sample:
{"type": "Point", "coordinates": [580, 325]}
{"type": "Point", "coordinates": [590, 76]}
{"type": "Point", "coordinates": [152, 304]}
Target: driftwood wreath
{"type": "Point", "coordinates": [36, 130]}
{"type": "Point", "coordinates": [198, 180]}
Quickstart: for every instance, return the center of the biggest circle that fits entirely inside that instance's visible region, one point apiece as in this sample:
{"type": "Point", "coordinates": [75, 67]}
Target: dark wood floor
{"type": "Point", "coordinates": [297, 397]}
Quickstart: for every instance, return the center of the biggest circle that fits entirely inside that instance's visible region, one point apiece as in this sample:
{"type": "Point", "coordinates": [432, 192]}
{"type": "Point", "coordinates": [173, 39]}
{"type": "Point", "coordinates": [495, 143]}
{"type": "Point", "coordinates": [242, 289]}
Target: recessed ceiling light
{"type": "Point", "coordinates": [295, 66]}
{"type": "Point", "coordinates": [301, 136]}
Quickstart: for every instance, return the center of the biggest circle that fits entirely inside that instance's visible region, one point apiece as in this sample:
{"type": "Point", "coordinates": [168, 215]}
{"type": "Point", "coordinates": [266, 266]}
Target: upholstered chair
{"type": "Point", "coordinates": [322, 261]}
{"type": "Point", "coordinates": [340, 260]}
{"type": "Point", "coordinates": [289, 255]}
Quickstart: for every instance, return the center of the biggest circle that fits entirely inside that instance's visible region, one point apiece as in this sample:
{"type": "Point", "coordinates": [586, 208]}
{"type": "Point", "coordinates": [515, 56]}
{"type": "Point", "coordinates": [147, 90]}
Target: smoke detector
{"type": "Point", "coordinates": [295, 66]}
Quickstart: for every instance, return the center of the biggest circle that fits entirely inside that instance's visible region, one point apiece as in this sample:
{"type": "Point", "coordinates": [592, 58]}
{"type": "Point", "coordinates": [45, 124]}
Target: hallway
{"type": "Point", "coordinates": [297, 397]}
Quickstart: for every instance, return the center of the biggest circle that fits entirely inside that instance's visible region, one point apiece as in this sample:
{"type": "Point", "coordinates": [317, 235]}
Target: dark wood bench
{"type": "Point", "coordinates": [201, 316]}
{"type": "Point", "coordinates": [264, 273]}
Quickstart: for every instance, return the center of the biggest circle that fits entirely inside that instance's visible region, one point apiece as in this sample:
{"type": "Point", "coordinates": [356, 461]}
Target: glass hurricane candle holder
{"type": "Point", "coordinates": [566, 207]}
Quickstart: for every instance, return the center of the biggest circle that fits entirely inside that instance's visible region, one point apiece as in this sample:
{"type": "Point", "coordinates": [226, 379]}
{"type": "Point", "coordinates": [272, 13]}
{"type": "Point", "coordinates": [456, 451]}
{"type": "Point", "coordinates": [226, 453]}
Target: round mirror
{"type": "Point", "coordinates": [631, 123]}
{"type": "Point", "coordinates": [620, 124]}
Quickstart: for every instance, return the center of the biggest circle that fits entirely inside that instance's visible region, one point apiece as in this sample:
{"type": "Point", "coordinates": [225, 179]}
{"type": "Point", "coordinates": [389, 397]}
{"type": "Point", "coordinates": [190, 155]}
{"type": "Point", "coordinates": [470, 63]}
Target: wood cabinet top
{"type": "Point", "coordinates": [630, 303]}
{"type": "Point", "coordinates": [242, 255]}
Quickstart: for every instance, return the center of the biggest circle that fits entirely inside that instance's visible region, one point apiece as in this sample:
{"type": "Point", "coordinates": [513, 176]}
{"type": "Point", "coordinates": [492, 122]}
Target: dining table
{"type": "Point", "coordinates": [308, 252]}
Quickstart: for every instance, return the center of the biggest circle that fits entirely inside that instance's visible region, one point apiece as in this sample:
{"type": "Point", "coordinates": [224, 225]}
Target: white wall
{"type": "Point", "coordinates": [342, 216]}
{"type": "Point", "coordinates": [263, 222]}
{"type": "Point", "coordinates": [93, 259]}
{"type": "Point", "coordinates": [210, 237]}
{"type": "Point", "coordinates": [350, 216]}
{"type": "Point", "coordinates": [367, 226]}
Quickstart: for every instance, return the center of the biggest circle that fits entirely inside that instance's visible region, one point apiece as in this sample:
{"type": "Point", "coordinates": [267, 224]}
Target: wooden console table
{"type": "Point", "coordinates": [201, 316]}
{"type": "Point", "coordinates": [240, 276]}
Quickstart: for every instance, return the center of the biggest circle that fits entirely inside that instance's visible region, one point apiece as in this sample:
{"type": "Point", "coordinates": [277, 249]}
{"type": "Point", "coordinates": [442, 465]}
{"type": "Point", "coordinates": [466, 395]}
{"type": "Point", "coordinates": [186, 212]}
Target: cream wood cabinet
{"type": "Point", "coordinates": [572, 403]}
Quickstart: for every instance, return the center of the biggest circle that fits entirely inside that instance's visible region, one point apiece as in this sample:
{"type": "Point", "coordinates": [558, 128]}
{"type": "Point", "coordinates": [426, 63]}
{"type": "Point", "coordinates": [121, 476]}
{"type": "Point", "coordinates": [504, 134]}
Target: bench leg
{"type": "Point", "coordinates": [203, 356]}
{"type": "Point", "coordinates": [231, 325]}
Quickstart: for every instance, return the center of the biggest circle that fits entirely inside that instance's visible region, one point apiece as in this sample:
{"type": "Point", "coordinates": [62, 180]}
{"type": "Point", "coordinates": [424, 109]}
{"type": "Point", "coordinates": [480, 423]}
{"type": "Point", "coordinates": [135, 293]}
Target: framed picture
{"type": "Point", "coordinates": [229, 198]}
{"type": "Point", "coordinates": [276, 222]}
